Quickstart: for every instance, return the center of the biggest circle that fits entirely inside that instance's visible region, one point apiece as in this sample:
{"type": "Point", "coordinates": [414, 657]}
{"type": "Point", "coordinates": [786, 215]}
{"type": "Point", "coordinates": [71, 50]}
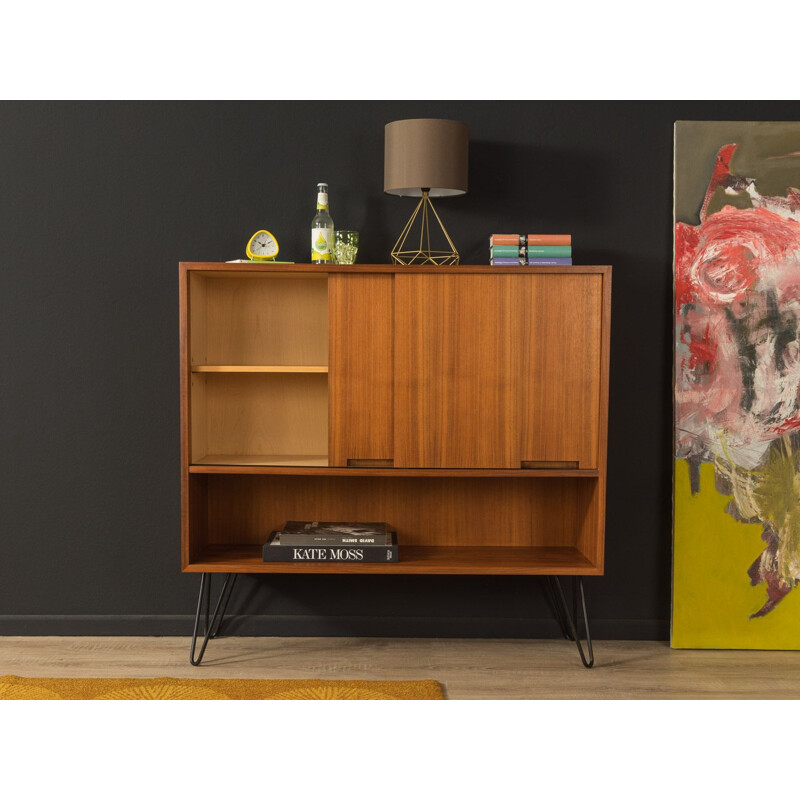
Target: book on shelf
{"type": "Point", "coordinates": [507, 251]}
{"type": "Point", "coordinates": [549, 239]}
{"type": "Point", "coordinates": [508, 262]}
{"type": "Point", "coordinates": [531, 251]}
{"type": "Point", "coordinates": [303, 533]}
{"type": "Point", "coordinates": [275, 549]}
{"type": "Point", "coordinates": [549, 251]}
{"type": "Point", "coordinates": [531, 262]}
{"type": "Point", "coordinates": [530, 239]}
{"type": "Point", "coordinates": [337, 527]}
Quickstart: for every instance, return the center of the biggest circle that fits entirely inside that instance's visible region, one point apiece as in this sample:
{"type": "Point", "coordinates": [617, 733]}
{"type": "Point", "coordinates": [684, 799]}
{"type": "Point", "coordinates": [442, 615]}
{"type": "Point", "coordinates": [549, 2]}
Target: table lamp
{"type": "Point", "coordinates": [425, 158]}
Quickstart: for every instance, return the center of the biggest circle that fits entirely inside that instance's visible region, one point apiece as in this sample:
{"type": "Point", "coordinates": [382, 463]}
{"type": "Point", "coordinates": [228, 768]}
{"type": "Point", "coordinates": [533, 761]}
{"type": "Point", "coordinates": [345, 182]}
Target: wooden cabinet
{"type": "Point", "coordinates": [466, 406]}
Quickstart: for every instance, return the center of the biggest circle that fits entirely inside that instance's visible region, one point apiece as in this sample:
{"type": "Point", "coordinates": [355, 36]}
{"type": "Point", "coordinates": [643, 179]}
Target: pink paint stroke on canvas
{"type": "Point", "coordinates": [737, 372]}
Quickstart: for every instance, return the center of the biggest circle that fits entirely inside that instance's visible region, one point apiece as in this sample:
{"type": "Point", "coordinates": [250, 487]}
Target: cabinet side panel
{"type": "Point", "coordinates": [195, 352]}
{"type": "Point", "coordinates": [361, 367]}
{"type": "Point", "coordinates": [194, 527]}
{"type": "Point", "coordinates": [561, 370]}
{"type": "Point", "coordinates": [592, 539]}
{"type": "Point", "coordinates": [457, 360]}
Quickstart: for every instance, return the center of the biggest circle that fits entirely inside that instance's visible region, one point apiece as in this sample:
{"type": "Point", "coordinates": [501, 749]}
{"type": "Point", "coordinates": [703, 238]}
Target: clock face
{"type": "Point", "coordinates": [264, 245]}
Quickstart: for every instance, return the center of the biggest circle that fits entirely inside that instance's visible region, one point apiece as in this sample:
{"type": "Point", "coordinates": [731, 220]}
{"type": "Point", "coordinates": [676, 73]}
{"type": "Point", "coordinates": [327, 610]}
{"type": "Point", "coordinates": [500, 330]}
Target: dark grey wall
{"type": "Point", "coordinates": [99, 202]}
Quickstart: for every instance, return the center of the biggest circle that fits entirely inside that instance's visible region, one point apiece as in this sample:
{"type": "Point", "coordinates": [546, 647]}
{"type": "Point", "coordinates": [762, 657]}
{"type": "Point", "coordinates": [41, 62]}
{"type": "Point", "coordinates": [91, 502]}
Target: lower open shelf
{"type": "Point", "coordinates": [434, 560]}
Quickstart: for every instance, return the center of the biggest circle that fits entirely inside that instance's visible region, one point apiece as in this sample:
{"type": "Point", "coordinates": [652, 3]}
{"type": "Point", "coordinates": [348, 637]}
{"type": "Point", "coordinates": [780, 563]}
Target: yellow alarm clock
{"type": "Point", "coordinates": [263, 246]}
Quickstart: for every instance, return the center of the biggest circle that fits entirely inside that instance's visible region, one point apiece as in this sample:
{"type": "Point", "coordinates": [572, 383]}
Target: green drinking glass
{"type": "Point", "coordinates": [345, 246]}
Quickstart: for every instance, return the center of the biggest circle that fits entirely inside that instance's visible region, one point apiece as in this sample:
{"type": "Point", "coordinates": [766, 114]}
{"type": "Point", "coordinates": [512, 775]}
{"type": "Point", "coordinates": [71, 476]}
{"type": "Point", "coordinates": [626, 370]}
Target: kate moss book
{"type": "Point", "coordinates": [275, 550]}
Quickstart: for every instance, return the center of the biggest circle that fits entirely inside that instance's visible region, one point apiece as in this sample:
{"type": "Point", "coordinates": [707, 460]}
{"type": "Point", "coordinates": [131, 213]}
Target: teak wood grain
{"type": "Point", "coordinates": [361, 382]}
{"type": "Point", "coordinates": [497, 371]}
{"type": "Point", "coordinates": [259, 322]}
{"type": "Point", "coordinates": [457, 357]}
{"type": "Point", "coordinates": [242, 413]}
{"type": "Point", "coordinates": [560, 371]}
{"type": "Point", "coordinates": [450, 511]}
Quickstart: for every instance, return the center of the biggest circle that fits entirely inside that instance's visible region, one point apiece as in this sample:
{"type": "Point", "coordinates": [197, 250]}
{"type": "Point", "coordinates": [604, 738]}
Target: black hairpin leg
{"type": "Point", "coordinates": [570, 622]}
{"type": "Point", "coordinates": [210, 628]}
{"type": "Point", "coordinates": [556, 606]}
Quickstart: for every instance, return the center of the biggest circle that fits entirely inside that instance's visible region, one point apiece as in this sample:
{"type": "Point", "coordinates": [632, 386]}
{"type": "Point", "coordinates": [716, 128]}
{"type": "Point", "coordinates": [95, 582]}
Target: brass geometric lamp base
{"type": "Point", "coordinates": [402, 252]}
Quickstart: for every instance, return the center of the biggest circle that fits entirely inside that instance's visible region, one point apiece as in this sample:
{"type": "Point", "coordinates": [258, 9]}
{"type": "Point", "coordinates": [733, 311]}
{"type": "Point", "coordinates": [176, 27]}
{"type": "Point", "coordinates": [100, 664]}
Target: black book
{"type": "Point", "coordinates": [309, 539]}
{"type": "Point", "coordinates": [307, 534]}
{"type": "Point", "coordinates": [273, 550]}
{"type": "Point", "coordinates": [337, 527]}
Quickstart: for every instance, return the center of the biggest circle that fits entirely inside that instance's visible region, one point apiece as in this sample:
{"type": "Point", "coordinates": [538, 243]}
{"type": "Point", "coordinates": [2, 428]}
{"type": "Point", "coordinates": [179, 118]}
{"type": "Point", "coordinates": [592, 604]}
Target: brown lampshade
{"type": "Point", "coordinates": [425, 154]}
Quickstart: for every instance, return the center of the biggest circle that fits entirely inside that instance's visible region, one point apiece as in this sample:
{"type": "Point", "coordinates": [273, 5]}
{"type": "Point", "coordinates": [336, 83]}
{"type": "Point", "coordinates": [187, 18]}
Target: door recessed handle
{"type": "Point", "coordinates": [550, 464]}
{"type": "Point", "coordinates": [370, 462]}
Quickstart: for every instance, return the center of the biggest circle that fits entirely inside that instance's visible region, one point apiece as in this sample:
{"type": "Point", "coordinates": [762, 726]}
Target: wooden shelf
{"type": "Point", "coordinates": [318, 465]}
{"type": "Point", "coordinates": [216, 463]}
{"type": "Point", "coordinates": [413, 560]}
{"type": "Point", "coordinates": [254, 368]}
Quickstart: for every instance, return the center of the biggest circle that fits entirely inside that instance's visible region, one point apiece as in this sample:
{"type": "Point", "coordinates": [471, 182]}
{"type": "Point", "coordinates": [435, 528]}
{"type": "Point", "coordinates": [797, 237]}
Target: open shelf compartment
{"type": "Point", "coordinates": [265, 319]}
{"type": "Point", "coordinates": [258, 361]}
{"type": "Point", "coordinates": [255, 419]}
{"type": "Point", "coordinates": [446, 525]}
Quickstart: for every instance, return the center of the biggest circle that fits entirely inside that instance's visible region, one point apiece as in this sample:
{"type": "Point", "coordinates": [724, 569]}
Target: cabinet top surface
{"type": "Point", "coordinates": [224, 266]}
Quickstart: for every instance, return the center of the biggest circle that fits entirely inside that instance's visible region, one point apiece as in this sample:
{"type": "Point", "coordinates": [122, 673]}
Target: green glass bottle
{"type": "Point", "coordinates": [322, 229]}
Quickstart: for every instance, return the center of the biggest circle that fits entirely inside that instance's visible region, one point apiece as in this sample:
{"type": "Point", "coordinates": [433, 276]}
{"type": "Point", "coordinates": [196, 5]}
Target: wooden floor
{"type": "Point", "coordinates": [468, 668]}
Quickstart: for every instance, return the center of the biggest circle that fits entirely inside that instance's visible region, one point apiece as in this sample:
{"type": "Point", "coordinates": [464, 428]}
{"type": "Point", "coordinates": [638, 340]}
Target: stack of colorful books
{"type": "Point", "coordinates": [534, 249]}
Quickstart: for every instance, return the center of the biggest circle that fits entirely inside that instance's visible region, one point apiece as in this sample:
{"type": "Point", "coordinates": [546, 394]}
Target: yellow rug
{"type": "Point", "coordinates": [13, 687]}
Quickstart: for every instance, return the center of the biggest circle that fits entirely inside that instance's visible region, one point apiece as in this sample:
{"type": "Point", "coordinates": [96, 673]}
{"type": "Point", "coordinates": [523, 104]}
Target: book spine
{"type": "Point", "coordinates": [550, 251]}
{"type": "Point", "coordinates": [549, 239]}
{"type": "Point", "coordinates": [508, 262]}
{"type": "Point", "coordinates": [349, 554]}
{"type": "Point", "coordinates": [506, 251]}
{"type": "Point", "coordinates": [506, 239]}
{"type": "Point", "coordinates": [332, 539]}
{"type": "Point", "coordinates": [549, 262]}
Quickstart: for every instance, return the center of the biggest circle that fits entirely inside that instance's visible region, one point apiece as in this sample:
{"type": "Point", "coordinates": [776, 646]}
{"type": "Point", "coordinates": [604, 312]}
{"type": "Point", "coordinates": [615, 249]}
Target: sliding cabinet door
{"type": "Point", "coordinates": [360, 378]}
{"type": "Point", "coordinates": [457, 370]}
{"type": "Point", "coordinates": [451, 371]}
{"type": "Point", "coordinates": [561, 338]}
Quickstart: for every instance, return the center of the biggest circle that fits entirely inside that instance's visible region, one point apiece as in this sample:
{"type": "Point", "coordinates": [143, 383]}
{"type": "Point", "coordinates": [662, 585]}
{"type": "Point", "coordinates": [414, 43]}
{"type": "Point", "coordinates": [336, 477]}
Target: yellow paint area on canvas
{"type": "Point", "coordinates": [712, 595]}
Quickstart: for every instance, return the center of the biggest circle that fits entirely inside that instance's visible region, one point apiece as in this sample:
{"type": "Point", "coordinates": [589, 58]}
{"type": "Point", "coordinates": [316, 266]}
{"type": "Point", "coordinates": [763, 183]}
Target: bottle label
{"type": "Point", "coordinates": [321, 244]}
{"type": "Point", "coordinates": [322, 200]}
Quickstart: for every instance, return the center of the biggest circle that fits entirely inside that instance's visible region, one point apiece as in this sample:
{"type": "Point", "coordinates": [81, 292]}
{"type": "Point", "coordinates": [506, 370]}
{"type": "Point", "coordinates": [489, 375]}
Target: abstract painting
{"type": "Point", "coordinates": [736, 544]}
